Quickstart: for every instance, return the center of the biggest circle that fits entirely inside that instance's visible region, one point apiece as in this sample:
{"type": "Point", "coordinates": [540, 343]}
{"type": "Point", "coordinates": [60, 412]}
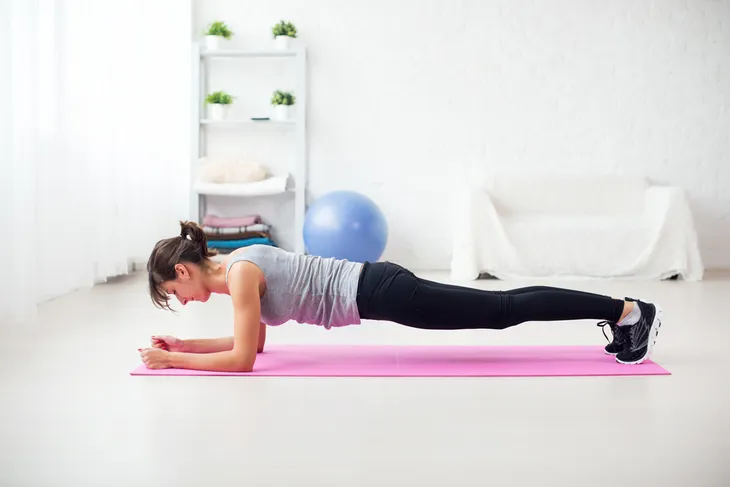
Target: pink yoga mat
{"type": "Point", "coordinates": [430, 361]}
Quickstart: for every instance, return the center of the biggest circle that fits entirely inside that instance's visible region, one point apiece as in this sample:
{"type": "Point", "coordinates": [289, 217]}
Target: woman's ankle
{"type": "Point", "coordinates": [631, 314]}
{"type": "Point", "coordinates": [628, 307]}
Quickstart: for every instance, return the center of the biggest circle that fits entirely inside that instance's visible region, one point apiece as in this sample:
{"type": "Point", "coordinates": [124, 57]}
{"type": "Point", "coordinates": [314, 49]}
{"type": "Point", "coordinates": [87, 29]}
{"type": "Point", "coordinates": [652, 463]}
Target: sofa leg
{"type": "Point", "coordinates": [486, 275]}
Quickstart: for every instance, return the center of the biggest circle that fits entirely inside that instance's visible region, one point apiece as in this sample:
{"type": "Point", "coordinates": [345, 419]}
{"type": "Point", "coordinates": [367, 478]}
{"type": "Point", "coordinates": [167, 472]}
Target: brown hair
{"type": "Point", "coordinates": [191, 246]}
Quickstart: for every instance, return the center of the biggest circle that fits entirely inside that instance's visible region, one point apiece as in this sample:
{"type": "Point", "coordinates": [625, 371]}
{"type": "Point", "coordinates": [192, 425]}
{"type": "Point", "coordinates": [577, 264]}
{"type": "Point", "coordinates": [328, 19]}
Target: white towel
{"type": "Point", "coordinates": [272, 185]}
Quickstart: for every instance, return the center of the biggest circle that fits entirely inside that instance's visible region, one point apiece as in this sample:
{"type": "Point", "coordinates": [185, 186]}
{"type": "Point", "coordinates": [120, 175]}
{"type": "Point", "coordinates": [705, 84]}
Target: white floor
{"type": "Point", "coordinates": [72, 416]}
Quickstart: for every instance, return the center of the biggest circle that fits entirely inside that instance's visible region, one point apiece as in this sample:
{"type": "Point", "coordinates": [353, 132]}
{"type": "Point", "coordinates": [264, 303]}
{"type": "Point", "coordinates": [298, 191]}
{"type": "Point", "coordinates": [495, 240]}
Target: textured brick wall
{"type": "Point", "coordinates": [412, 99]}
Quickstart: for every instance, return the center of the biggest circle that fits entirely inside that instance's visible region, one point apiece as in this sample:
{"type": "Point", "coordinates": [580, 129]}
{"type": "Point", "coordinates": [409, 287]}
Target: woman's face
{"type": "Point", "coordinates": [188, 286]}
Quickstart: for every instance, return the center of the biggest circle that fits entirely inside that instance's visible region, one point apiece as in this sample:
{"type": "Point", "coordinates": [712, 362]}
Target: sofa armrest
{"type": "Point", "coordinates": [477, 225]}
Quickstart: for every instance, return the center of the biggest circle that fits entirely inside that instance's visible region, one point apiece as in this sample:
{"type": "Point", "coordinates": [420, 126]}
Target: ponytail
{"type": "Point", "coordinates": [191, 232]}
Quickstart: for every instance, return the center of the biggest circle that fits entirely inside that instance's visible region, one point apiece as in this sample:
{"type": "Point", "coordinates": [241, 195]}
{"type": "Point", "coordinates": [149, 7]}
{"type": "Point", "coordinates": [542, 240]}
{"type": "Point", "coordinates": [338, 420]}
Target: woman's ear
{"type": "Point", "coordinates": [182, 271]}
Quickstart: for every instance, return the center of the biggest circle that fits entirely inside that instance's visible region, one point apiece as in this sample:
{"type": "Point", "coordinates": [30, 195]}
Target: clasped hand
{"type": "Point", "coordinates": [158, 355]}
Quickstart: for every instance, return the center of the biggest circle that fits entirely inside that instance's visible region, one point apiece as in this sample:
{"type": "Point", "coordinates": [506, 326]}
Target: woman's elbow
{"type": "Point", "coordinates": [243, 368]}
{"type": "Point", "coordinates": [243, 364]}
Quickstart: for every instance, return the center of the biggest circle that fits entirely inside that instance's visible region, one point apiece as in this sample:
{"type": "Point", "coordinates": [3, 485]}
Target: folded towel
{"type": "Point", "coordinates": [215, 221]}
{"type": "Point", "coordinates": [269, 186]}
{"type": "Point", "coordinates": [224, 170]}
{"type": "Point", "coordinates": [258, 227]}
{"type": "Point", "coordinates": [235, 244]}
{"type": "Point", "coordinates": [239, 236]}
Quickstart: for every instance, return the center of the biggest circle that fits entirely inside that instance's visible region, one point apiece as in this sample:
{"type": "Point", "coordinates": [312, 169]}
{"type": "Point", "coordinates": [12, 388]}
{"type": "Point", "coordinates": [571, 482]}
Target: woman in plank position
{"type": "Point", "coordinates": [270, 286]}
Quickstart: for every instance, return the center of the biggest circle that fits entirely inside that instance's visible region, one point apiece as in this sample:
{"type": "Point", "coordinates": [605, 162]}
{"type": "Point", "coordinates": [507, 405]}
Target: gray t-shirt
{"type": "Point", "coordinates": [304, 288]}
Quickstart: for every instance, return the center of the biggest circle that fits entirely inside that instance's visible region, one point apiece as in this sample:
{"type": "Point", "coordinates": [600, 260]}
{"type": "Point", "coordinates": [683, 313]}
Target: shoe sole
{"type": "Point", "coordinates": [653, 333]}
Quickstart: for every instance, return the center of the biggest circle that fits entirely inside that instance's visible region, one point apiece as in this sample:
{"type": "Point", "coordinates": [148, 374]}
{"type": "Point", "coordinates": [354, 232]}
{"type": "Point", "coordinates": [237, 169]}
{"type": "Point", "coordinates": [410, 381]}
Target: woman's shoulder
{"type": "Point", "coordinates": [259, 255]}
{"type": "Point", "coordinates": [252, 264]}
{"type": "Point", "coordinates": [253, 250]}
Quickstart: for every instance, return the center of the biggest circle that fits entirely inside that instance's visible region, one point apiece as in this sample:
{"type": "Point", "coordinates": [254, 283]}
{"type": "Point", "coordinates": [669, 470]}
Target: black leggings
{"type": "Point", "coordinates": [389, 292]}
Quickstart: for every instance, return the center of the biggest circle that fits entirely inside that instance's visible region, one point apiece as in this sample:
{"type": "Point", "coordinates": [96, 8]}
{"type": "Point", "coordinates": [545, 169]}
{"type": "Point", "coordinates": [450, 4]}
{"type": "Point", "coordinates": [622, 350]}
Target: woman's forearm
{"type": "Point", "coordinates": [228, 361]}
{"type": "Point", "coordinates": [208, 345]}
{"type": "Point", "coordinates": [212, 345]}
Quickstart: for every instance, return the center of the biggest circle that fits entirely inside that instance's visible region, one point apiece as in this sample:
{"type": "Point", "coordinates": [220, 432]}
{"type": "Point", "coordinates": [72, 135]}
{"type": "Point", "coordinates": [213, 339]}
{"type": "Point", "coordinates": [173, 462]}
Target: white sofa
{"type": "Point", "coordinates": [522, 226]}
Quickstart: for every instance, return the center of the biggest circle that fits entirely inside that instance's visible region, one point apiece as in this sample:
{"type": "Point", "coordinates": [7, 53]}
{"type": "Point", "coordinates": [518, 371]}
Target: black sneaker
{"type": "Point", "coordinates": [640, 337]}
{"type": "Point", "coordinates": [619, 339]}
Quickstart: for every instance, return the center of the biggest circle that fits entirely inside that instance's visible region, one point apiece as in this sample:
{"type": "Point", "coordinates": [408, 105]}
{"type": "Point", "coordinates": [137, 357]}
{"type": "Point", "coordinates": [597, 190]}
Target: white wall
{"type": "Point", "coordinates": [411, 99]}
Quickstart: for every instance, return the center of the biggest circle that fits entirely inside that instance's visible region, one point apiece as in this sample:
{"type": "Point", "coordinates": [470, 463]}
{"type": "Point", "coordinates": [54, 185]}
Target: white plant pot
{"type": "Point", "coordinates": [282, 113]}
{"type": "Point", "coordinates": [216, 111]}
{"type": "Point", "coordinates": [213, 43]}
{"type": "Point", "coordinates": [283, 42]}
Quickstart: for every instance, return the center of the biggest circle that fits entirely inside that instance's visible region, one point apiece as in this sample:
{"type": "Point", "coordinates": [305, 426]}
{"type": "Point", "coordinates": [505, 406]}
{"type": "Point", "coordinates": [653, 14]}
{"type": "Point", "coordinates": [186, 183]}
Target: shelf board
{"type": "Point", "coordinates": [270, 187]}
{"type": "Point", "coordinates": [244, 121]}
{"type": "Point", "coordinates": [209, 191]}
{"type": "Point", "coordinates": [246, 53]}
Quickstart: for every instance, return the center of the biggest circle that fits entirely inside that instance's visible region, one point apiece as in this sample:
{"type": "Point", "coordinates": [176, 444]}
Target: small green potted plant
{"type": "Point", "coordinates": [282, 102]}
{"type": "Point", "coordinates": [284, 32]}
{"type": "Point", "coordinates": [215, 32]}
{"type": "Point", "coordinates": [218, 103]}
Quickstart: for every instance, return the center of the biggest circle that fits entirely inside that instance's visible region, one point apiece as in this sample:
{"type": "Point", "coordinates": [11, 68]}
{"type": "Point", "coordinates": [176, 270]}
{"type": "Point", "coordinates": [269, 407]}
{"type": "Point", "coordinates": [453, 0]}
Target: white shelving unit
{"type": "Point", "coordinates": [200, 191]}
{"type": "Point", "coordinates": [254, 54]}
{"type": "Point", "coordinates": [288, 124]}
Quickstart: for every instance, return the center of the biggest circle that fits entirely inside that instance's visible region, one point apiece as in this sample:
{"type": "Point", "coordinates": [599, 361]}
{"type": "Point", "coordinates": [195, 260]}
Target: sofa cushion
{"type": "Point", "coordinates": [570, 194]}
{"type": "Point", "coordinates": [566, 244]}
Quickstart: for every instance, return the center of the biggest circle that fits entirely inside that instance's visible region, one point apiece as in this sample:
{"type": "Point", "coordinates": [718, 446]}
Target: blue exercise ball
{"type": "Point", "coordinates": [345, 225]}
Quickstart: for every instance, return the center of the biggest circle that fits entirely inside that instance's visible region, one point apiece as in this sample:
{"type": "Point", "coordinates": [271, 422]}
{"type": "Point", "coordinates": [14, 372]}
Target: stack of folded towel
{"type": "Point", "coordinates": [234, 233]}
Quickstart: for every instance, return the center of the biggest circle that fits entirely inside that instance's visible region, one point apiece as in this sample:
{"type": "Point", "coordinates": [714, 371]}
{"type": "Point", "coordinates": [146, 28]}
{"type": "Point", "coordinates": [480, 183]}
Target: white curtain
{"type": "Point", "coordinates": [95, 141]}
